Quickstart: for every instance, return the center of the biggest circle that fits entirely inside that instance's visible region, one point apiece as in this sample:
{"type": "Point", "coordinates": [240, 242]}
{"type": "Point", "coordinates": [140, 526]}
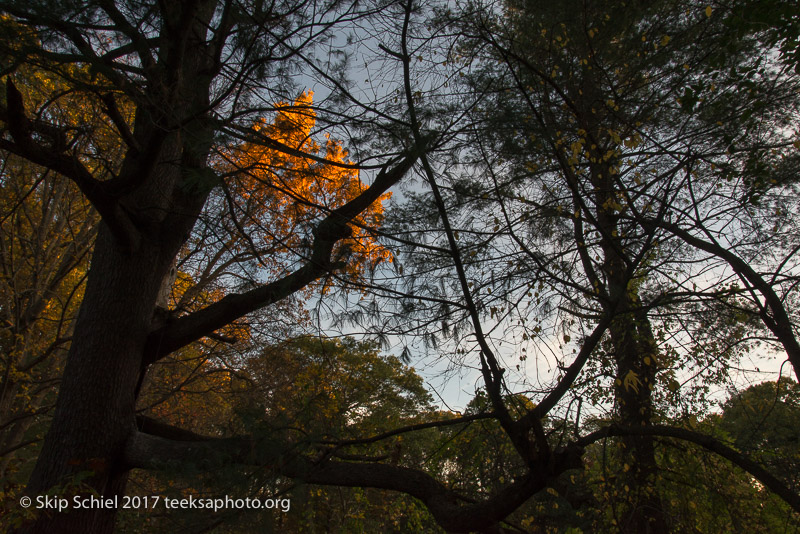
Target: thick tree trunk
{"type": "Point", "coordinates": [94, 415]}
{"type": "Point", "coordinates": [634, 346]}
{"type": "Point", "coordinates": [154, 202]}
{"type": "Point", "coordinates": [635, 355]}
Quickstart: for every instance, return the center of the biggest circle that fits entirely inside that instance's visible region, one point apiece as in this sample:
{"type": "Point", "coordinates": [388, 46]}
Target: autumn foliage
{"type": "Point", "coordinates": [284, 193]}
{"type": "Point", "coordinates": [274, 205]}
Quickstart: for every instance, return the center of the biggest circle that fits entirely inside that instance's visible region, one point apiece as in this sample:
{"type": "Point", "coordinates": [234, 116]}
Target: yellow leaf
{"type": "Point", "coordinates": [708, 11]}
{"type": "Point", "coordinates": [631, 381]}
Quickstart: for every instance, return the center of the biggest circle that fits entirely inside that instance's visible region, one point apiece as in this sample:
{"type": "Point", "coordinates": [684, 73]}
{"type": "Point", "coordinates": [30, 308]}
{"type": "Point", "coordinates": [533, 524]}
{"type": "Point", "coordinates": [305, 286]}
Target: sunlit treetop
{"type": "Point", "coordinates": [284, 195]}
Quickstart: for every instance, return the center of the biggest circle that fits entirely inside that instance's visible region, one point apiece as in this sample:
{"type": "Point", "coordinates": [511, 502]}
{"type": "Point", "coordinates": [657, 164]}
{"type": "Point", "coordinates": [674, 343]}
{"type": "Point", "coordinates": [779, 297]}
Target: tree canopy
{"type": "Point", "coordinates": [582, 212]}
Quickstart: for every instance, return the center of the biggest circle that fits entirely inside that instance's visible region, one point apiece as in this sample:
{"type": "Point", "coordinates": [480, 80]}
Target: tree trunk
{"type": "Point", "coordinates": [634, 346]}
{"type": "Point", "coordinates": [94, 414]}
{"type": "Point", "coordinates": [635, 355]}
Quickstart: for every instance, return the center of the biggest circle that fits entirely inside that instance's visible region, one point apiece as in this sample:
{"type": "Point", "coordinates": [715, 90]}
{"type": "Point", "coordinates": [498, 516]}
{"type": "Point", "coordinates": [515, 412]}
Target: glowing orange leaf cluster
{"type": "Point", "coordinates": [285, 195]}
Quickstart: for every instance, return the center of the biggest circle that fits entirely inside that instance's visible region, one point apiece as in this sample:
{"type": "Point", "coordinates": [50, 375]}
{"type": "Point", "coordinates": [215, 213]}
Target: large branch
{"type": "Point", "coordinates": [334, 227]}
{"type": "Point", "coordinates": [707, 442]}
{"type": "Point", "coordinates": [549, 402]}
{"type": "Point", "coordinates": [780, 324]}
{"type": "Point", "coordinates": [450, 511]}
{"type": "Point", "coordinates": [154, 427]}
{"type": "Point", "coordinates": [53, 157]}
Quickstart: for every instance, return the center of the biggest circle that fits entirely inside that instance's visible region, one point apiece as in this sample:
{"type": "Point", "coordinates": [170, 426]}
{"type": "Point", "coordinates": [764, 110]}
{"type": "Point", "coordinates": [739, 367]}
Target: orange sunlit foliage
{"type": "Point", "coordinates": [278, 198]}
{"type": "Point", "coordinates": [286, 195]}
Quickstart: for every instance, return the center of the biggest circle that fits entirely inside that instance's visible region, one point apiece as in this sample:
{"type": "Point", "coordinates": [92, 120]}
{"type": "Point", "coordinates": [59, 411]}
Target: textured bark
{"type": "Point", "coordinates": [95, 410]}
{"type": "Point", "coordinates": [635, 353]}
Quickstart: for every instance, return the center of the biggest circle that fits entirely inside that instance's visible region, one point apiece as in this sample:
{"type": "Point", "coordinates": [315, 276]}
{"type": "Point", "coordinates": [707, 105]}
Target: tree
{"type": "Point", "coordinates": [577, 228]}
{"type": "Point", "coordinates": [340, 390]}
{"type": "Point", "coordinates": [761, 421]}
{"type": "Point", "coordinates": [188, 72]}
{"type": "Point", "coordinates": [47, 231]}
{"type": "Point", "coordinates": [600, 139]}
{"type": "Point", "coordinates": [326, 390]}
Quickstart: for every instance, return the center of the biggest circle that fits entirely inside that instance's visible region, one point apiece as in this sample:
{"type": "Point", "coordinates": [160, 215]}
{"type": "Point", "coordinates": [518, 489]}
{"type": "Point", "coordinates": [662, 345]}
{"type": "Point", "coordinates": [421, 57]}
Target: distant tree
{"type": "Point", "coordinates": [762, 421]}
{"type": "Point", "coordinates": [330, 391]}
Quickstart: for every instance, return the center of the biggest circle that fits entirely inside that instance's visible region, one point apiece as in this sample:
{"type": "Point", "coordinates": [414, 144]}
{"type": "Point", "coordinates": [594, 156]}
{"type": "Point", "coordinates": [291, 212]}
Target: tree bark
{"type": "Point", "coordinates": [635, 349]}
{"type": "Point", "coordinates": [94, 415]}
